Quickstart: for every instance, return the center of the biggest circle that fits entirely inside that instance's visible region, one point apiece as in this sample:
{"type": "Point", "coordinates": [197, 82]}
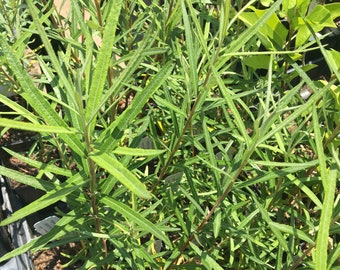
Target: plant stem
{"type": "Point", "coordinates": [99, 14]}
{"type": "Point", "coordinates": [93, 191]}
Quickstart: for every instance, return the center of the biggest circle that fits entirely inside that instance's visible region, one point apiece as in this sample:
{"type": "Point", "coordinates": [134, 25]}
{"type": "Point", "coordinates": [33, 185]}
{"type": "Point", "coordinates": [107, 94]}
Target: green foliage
{"type": "Point", "coordinates": [174, 152]}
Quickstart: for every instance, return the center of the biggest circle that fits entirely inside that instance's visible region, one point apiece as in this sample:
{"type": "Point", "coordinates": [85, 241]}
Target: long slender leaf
{"type": "Point", "coordinates": [40, 165]}
{"type": "Point", "coordinates": [51, 197]}
{"type": "Point", "coordinates": [227, 94]}
{"type": "Point", "coordinates": [111, 136]}
{"type": "Point", "coordinates": [293, 231]}
{"type": "Point", "coordinates": [19, 109]}
{"type": "Point", "coordinates": [245, 36]}
{"type": "Point", "coordinates": [35, 98]}
{"type": "Point", "coordinates": [335, 256]}
{"type": "Point", "coordinates": [120, 172]}
{"type": "Point", "coordinates": [102, 64]}
{"type": "Point", "coordinates": [321, 257]}
{"type": "Point", "coordinates": [319, 149]}
{"type": "Point", "coordinates": [137, 151]}
{"type": "Point", "coordinates": [56, 232]}
{"type": "Point", "coordinates": [207, 260]}
{"type": "Point", "coordinates": [275, 230]}
{"type": "Point", "coordinates": [311, 195]}
{"type": "Point", "coordinates": [35, 127]}
{"type": "Point", "coordinates": [27, 179]}
{"type": "Point", "coordinates": [127, 73]}
{"type": "Point", "coordinates": [192, 51]}
{"type": "Point", "coordinates": [137, 218]}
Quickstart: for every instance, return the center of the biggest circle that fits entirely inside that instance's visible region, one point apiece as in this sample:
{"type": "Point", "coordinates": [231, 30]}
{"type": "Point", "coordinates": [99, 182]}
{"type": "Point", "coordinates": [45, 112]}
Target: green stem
{"type": "Point", "coordinates": [93, 192]}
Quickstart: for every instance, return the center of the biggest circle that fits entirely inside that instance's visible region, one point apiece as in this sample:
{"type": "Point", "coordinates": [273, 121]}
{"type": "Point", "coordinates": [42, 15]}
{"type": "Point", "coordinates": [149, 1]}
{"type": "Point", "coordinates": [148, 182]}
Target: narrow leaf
{"type": "Point", "coordinates": [34, 127]}
{"type": "Point", "coordinates": [165, 103]}
{"type": "Point", "coordinates": [102, 64]}
{"type": "Point", "coordinates": [325, 221]}
{"type": "Point", "coordinates": [120, 172]}
{"type": "Point", "coordinates": [274, 229]}
{"type": "Point", "coordinates": [35, 98]}
{"type": "Point", "coordinates": [207, 260]}
{"type": "Point", "coordinates": [293, 231]}
{"type": "Point", "coordinates": [37, 164]}
{"type": "Point", "coordinates": [137, 151]}
{"type": "Point", "coordinates": [244, 37]}
{"type": "Point", "coordinates": [46, 200]}
{"type": "Point", "coordinates": [19, 109]}
{"type": "Point", "coordinates": [191, 49]}
{"type": "Point", "coordinates": [137, 218]}
{"type": "Point", "coordinates": [57, 232]}
{"type": "Point", "coordinates": [319, 149]}
{"type": "Point", "coordinates": [117, 127]}
{"type": "Point", "coordinates": [27, 179]}
{"type": "Point", "coordinates": [217, 222]}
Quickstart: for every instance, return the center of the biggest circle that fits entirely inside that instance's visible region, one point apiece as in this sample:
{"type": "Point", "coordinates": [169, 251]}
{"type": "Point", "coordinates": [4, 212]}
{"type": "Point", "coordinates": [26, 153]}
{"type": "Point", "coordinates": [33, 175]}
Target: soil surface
{"type": "Point", "coordinates": [53, 259]}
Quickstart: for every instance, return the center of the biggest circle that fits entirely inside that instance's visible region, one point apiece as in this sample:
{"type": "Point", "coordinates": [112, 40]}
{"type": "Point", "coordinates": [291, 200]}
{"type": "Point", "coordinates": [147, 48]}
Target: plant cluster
{"type": "Point", "coordinates": [183, 135]}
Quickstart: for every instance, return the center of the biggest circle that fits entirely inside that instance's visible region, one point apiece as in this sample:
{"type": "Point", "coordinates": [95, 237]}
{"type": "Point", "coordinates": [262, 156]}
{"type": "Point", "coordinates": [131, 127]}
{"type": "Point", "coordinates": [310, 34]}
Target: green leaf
{"type": "Point", "coordinates": [18, 108]}
{"type": "Point", "coordinates": [120, 172]}
{"type": "Point", "coordinates": [194, 203]}
{"type": "Point", "coordinates": [319, 148]}
{"type": "Point", "coordinates": [334, 9]}
{"type": "Point", "coordinates": [289, 7]}
{"type": "Point", "coordinates": [102, 63]}
{"type": "Point", "coordinates": [245, 36]}
{"type": "Point", "coordinates": [326, 219]}
{"type": "Point", "coordinates": [60, 65]}
{"type": "Point", "coordinates": [293, 231]}
{"type": "Point", "coordinates": [274, 229]}
{"type": "Point", "coordinates": [111, 136]}
{"type": "Point", "coordinates": [320, 17]}
{"type": "Point", "coordinates": [294, 7]}
{"type": "Point", "coordinates": [334, 257]}
{"type": "Point", "coordinates": [27, 179]}
{"type": "Point", "coordinates": [258, 61]}
{"type": "Point", "coordinates": [302, 35]}
{"type": "Point", "coordinates": [273, 33]}
{"type": "Point", "coordinates": [35, 127]}
{"type": "Point", "coordinates": [192, 51]}
{"type": "Point", "coordinates": [266, 3]}
{"type": "Point", "coordinates": [137, 151]}
{"type": "Point", "coordinates": [335, 91]}
{"type": "Point", "coordinates": [311, 195]}
{"type": "Point", "coordinates": [37, 164]}
{"type": "Point", "coordinates": [228, 95]}
{"type": "Point", "coordinates": [35, 98]}
{"type": "Point", "coordinates": [217, 222]}
{"type": "Point", "coordinates": [134, 60]}
{"type": "Point", "coordinates": [205, 258]}
{"type": "Point", "coordinates": [51, 197]}
{"type": "Point", "coordinates": [167, 104]}
{"type": "Point", "coordinates": [57, 231]}
{"type": "Point", "coordinates": [333, 59]}
{"type": "Point", "coordinates": [137, 218]}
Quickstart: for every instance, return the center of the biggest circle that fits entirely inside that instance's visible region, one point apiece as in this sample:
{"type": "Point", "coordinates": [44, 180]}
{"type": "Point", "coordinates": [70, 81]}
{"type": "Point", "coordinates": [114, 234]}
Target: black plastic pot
{"type": "Point", "coordinates": [15, 234]}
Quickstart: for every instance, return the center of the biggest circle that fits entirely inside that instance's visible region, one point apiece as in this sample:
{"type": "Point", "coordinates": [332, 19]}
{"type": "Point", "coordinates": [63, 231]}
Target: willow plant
{"type": "Point", "coordinates": [177, 151]}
